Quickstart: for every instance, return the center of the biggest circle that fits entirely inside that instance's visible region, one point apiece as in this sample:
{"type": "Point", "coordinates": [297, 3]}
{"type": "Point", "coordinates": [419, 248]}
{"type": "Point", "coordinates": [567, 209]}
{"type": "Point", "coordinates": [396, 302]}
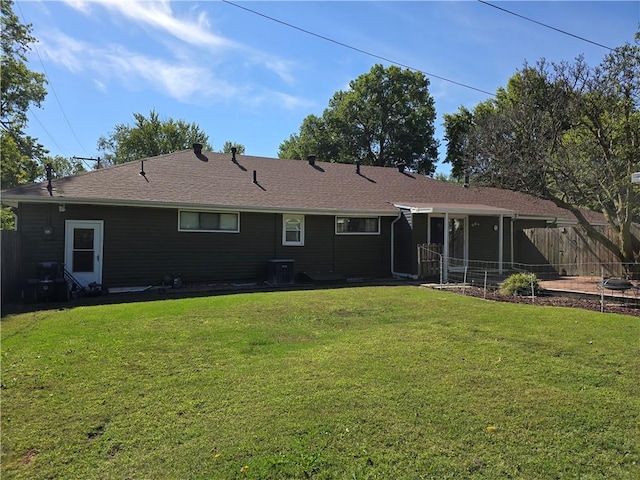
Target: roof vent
{"type": "Point", "coordinates": [401, 166]}
{"type": "Point", "coordinates": [311, 159]}
{"type": "Point", "coordinates": [233, 154]}
{"type": "Point", "coordinates": [466, 180]}
{"type": "Point", "coordinates": [197, 148]}
{"type": "Point", "coordinates": [358, 167]}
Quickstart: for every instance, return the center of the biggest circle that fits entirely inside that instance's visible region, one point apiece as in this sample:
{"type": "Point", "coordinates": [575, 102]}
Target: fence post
{"type": "Point", "coordinates": [533, 293]}
{"type": "Point", "coordinates": [441, 262]}
{"type": "Point", "coordinates": [464, 281]}
{"type": "Point", "coordinates": [601, 289]}
{"type": "Point", "coordinates": [485, 284]}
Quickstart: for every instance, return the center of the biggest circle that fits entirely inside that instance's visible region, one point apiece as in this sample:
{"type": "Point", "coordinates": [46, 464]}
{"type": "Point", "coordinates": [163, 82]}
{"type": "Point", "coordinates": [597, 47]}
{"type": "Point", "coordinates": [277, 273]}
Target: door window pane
{"type": "Point", "coordinates": [83, 261]}
{"type": "Point", "coordinates": [83, 238]}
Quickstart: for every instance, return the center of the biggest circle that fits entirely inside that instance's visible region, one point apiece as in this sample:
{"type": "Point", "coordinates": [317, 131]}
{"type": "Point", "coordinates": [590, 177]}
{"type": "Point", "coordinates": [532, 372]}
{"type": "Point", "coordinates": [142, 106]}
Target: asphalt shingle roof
{"type": "Point", "coordinates": [213, 180]}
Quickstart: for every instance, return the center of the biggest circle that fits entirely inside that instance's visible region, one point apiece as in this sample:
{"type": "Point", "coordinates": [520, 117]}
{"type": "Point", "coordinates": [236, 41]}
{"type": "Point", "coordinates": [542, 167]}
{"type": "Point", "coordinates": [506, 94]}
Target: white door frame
{"type": "Point", "coordinates": [84, 278]}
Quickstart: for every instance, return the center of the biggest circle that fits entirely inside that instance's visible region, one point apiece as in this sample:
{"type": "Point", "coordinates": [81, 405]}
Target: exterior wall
{"type": "Point", "coordinates": [484, 240]}
{"type": "Point", "coordinates": [143, 245]}
{"type": "Point", "coordinates": [403, 243]}
{"type": "Point", "coordinates": [420, 231]}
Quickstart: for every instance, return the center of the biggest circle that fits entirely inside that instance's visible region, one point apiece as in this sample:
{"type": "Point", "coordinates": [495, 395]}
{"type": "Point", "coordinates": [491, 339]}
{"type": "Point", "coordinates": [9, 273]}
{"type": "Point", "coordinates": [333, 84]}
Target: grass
{"type": "Point", "coordinates": [380, 382]}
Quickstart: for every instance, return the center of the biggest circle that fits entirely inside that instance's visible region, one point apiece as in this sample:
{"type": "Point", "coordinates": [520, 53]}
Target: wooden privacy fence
{"type": "Point", "coordinates": [571, 252]}
{"type": "Point", "coordinates": [11, 265]}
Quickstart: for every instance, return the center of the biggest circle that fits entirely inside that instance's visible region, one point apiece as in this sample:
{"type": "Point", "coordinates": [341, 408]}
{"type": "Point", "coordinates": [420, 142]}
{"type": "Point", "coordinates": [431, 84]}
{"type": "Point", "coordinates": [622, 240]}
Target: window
{"type": "Point", "coordinates": [358, 225]}
{"type": "Point", "coordinates": [293, 230]}
{"type": "Point", "coordinates": [208, 222]}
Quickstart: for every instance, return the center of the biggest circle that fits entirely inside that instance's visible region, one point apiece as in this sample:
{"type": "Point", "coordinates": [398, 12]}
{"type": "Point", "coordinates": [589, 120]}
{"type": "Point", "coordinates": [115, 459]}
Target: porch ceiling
{"type": "Point", "coordinates": [455, 208]}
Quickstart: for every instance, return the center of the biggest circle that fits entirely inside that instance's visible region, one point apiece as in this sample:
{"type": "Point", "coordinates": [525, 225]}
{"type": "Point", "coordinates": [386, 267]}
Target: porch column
{"type": "Point", "coordinates": [445, 250]}
{"type": "Point", "coordinates": [500, 243]}
{"type": "Point", "coordinates": [512, 242]}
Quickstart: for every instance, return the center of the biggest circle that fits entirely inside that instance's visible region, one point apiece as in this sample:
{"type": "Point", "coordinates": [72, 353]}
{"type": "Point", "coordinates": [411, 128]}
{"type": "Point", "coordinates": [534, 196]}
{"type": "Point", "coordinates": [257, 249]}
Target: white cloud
{"type": "Point", "coordinates": [178, 79]}
{"type": "Point", "coordinates": [159, 15]}
{"type": "Point", "coordinates": [193, 29]}
{"type": "Point", "coordinates": [181, 79]}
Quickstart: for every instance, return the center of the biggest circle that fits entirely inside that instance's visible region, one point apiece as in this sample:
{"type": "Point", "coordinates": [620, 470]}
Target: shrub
{"type": "Point", "coordinates": [520, 284]}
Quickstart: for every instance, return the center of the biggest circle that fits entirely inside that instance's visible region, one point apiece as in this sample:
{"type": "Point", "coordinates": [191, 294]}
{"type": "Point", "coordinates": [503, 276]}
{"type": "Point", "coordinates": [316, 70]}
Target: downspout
{"type": "Point", "coordinates": [393, 245]}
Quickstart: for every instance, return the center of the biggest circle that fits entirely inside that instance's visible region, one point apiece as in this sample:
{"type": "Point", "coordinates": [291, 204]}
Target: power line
{"type": "Point", "coordinates": [545, 25]}
{"type": "Point", "coordinates": [356, 49]}
{"type": "Point", "coordinates": [55, 95]}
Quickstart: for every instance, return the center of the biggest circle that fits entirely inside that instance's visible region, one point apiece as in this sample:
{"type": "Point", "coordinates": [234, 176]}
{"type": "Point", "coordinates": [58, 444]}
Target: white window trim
{"type": "Point", "coordinates": [356, 233]}
{"type": "Point", "coordinates": [187, 230]}
{"type": "Point", "coordinates": [288, 216]}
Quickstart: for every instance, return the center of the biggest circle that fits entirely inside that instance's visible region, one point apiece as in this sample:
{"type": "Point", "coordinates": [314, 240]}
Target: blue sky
{"type": "Point", "coordinates": [248, 79]}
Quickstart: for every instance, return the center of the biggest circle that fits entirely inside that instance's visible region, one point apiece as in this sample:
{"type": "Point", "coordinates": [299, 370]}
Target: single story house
{"type": "Point", "coordinates": [221, 217]}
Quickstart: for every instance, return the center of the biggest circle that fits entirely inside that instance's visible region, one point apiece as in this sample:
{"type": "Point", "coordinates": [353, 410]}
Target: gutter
{"type": "Point", "coordinates": [14, 200]}
{"type": "Point", "coordinates": [395, 274]}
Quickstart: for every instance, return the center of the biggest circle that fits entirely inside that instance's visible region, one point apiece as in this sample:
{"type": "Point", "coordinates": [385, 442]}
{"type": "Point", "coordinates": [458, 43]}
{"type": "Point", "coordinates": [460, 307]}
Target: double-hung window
{"type": "Point", "coordinates": [292, 230]}
{"type": "Point", "coordinates": [357, 225]}
{"type": "Point", "coordinates": [191, 221]}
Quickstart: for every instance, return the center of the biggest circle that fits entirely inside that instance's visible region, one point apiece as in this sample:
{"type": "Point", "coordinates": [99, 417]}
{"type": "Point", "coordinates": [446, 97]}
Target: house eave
{"type": "Point", "coordinates": [454, 209]}
{"type": "Point", "coordinates": [14, 201]}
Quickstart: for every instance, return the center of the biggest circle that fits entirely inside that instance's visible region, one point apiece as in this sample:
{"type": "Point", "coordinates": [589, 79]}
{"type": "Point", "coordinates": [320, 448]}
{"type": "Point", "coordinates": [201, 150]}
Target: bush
{"type": "Point", "coordinates": [520, 284]}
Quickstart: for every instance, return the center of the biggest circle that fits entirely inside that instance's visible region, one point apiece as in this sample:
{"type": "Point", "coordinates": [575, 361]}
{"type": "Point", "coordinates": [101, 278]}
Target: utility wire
{"type": "Point", "coordinates": [545, 25]}
{"type": "Point", "coordinates": [55, 95]}
{"type": "Point", "coordinates": [359, 50]}
{"type": "Point", "coordinates": [33, 114]}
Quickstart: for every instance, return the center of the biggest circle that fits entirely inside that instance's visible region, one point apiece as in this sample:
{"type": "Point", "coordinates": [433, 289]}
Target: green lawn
{"type": "Point", "coordinates": [354, 383]}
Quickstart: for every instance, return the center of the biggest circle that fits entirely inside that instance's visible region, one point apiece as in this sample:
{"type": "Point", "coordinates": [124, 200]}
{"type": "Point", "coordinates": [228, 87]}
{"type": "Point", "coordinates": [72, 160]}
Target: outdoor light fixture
{"type": "Point", "coordinates": [62, 208]}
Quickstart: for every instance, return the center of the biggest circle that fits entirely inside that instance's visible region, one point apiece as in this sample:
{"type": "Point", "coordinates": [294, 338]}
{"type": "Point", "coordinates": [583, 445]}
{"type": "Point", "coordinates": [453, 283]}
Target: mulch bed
{"type": "Point", "coordinates": [632, 307]}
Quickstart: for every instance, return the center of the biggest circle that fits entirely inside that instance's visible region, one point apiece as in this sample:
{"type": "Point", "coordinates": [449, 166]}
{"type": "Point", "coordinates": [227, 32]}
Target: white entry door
{"type": "Point", "coordinates": [83, 250]}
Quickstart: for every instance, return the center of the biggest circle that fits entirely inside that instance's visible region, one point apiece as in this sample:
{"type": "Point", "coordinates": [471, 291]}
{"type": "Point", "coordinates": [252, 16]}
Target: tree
{"type": "Point", "coordinates": [20, 88]}
{"type": "Point", "coordinates": [385, 117]}
{"type": "Point", "coordinates": [564, 132]}
{"type": "Point", "coordinates": [149, 137]}
{"type": "Point", "coordinates": [228, 145]}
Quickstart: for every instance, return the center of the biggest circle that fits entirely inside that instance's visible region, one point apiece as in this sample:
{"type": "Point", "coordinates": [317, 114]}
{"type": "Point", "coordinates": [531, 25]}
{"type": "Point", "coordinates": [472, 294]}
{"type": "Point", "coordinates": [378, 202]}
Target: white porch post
{"type": "Point", "coordinates": [500, 243]}
{"type": "Point", "coordinates": [512, 242]}
{"type": "Point", "coordinates": [445, 249]}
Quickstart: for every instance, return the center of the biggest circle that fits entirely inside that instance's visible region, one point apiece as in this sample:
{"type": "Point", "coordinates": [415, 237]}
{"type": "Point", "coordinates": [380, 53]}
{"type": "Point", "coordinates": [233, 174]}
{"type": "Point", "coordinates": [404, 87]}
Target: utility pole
{"type": "Point", "coordinates": [97, 160]}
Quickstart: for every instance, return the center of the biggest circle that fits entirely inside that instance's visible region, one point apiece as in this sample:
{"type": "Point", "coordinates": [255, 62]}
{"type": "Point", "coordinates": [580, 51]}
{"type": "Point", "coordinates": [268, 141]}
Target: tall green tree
{"type": "Point", "coordinates": [564, 132]}
{"type": "Point", "coordinates": [20, 88]}
{"type": "Point", "coordinates": [149, 137]}
{"type": "Point", "coordinates": [385, 117]}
